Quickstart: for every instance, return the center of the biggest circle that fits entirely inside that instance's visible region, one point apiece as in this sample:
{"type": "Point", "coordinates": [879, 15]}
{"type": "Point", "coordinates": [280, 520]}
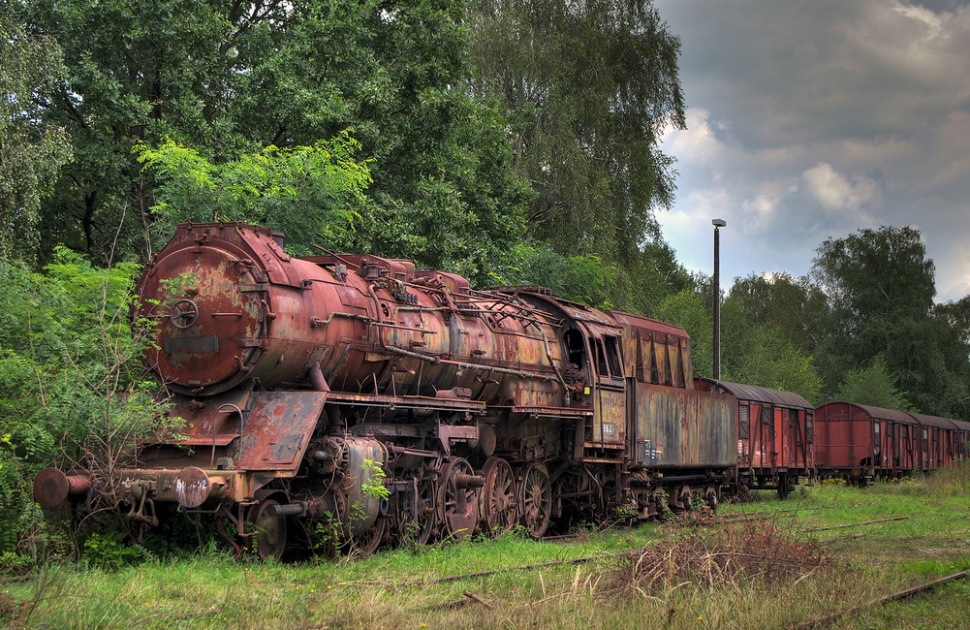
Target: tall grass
{"type": "Point", "coordinates": [767, 564]}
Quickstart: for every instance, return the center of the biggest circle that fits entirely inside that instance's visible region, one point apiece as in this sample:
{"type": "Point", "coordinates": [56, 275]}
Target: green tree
{"type": "Point", "coordinates": [228, 79]}
{"type": "Point", "coordinates": [313, 194]}
{"type": "Point", "coordinates": [873, 386]}
{"type": "Point", "coordinates": [587, 89]}
{"type": "Point", "coordinates": [31, 149]}
{"type": "Point", "coordinates": [581, 279]}
{"type": "Point", "coordinates": [762, 354]}
{"type": "Point", "coordinates": [957, 315]}
{"type": "Point", "coordinates": [70, 386]}
{"type": "Point", "coordinates": [874, 275]}
{"type": "Point", "coordinates": [796, 307]}
{"type": "Point", "coordinates": [881, 286]}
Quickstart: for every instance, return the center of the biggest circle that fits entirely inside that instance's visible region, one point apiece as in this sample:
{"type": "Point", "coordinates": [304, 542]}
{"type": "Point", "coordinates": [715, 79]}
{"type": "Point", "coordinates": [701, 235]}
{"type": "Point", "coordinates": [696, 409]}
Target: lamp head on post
{"type": "Point", "coordinates": [718, 223]}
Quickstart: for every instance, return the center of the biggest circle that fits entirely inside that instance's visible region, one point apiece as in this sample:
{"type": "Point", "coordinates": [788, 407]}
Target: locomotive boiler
{"type": "Point", "coordinates": [399, 403]}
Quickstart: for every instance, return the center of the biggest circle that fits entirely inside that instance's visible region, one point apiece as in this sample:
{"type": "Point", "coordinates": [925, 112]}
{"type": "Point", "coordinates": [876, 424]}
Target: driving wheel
{"type": "Point", "coordinates": [535, 493]}
{"type": "Point", "coordinates": [458, 498]}
{"type": "Point", "coordinates": [500, 499]}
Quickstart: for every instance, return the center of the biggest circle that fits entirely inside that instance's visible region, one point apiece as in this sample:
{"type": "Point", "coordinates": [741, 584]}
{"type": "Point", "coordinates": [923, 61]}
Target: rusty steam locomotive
{"type": "Point", "coordinates": [397, 402]}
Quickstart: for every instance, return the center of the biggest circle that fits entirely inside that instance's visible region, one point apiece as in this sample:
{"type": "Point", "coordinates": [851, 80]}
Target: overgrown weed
{"type": "Point", "coordinates": [722, 556]}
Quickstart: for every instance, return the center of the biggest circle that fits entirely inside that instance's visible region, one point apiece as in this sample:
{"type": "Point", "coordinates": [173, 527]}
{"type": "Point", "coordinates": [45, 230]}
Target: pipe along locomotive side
{"type": "Point", "coordinates": [399, 404]}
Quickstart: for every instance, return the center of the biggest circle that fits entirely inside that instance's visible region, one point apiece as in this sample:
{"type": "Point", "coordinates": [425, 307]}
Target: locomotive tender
{"type": "Point", "coordinates": [399, 403]}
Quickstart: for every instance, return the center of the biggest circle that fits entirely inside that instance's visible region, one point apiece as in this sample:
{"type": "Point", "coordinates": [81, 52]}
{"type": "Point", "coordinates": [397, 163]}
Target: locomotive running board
{"type": "Point", "coordinates": [407, 402]}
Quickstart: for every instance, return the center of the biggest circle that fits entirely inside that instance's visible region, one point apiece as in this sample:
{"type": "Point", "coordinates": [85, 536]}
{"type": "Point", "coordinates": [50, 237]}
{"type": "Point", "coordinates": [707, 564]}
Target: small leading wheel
{"type": "Point", "coordinates": [458, 498]}
{"type": "Point", "coordinates": [535, 497]}
{"type": "Point", "coordinates": [500, 500]}
{"type": "Point", "coordinates": [366, 544]}
{"type": "Point", "coordinates": [270, 537]}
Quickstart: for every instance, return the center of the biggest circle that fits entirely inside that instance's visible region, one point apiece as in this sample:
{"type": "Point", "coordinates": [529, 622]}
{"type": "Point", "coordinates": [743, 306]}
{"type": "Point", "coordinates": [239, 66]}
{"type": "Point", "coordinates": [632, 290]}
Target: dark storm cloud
{"type": "Point", "coordinates": [810, 120]}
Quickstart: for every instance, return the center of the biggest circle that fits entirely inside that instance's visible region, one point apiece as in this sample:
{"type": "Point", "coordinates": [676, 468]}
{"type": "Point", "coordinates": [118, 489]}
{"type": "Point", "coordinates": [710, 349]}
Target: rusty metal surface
{"type": "Point", "coordinates": [302, 381]}
{"type": "Point", "coordinates": [850, 436]}
{"type": "Point", "coordinates": [655, 351]}
{"type": "Point", "coordinates": [243, 310]}
{"type": "Point", "coordinates": [934, 421]}
{"type": "Point", "coordinates": [278, 429]}
{"type": "Point", "coordinates": [762, 394]}
{"type": "Point", "coordinates": [52, 487]}
{"type": "Point", "coordinates": [684, 429]}
{"type": "Point", "coordinates": [192, 487]}
{"type": "Point", "coordinates": [774, 432]}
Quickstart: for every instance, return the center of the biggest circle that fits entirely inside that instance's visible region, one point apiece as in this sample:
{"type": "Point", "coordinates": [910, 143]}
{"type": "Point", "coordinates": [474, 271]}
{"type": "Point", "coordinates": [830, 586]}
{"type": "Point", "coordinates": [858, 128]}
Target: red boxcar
{"type": "Point", "coordinates": [775, 436]}
{"type": "Point", "coordinates": [861, 442]}
{"type": "Point", "coordinates": [962, 439]}
{"type": "Point", "coordinates": [938, 439]}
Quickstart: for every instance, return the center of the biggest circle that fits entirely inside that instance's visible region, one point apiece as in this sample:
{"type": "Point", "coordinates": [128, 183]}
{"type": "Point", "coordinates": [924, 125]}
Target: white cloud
{"type": "Point", "coordinates": [814, 119]}
{"type": "Point", "coordinates": [838, 192]}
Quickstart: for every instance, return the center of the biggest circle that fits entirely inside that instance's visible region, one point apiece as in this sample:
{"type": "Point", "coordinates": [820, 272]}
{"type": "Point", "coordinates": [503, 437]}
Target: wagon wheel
{"type": "Point", "coordinates": [783, 487]}
{"type": "Point", "coordinates": [711, 498]}
{"type": "Point", "coordinates": [680, 500]}
{"type": "Point", "coordinates": [535, 498]}
{"type": "Point", "coordinates": [458, 498]}
{"type": "Point", "coordinates": [270, 537]}
{"type": "Point", "coordinates": [367, 544]}
{"type": "Point", "coordinates": [500, 500]}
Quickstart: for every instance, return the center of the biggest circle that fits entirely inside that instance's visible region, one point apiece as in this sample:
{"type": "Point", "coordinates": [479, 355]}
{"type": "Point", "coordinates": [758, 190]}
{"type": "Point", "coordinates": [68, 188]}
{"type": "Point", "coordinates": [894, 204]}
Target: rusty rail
{"type": "Point", "coordinates": [878, 520]}
{"type": "Point", "coordinates": [909, 592]}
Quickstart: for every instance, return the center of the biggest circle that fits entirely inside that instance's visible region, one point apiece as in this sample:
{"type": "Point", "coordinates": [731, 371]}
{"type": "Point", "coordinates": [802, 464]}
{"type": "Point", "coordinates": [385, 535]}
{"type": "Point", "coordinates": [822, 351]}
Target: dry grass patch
{"type": "Point", "coordinates": [720, 556]}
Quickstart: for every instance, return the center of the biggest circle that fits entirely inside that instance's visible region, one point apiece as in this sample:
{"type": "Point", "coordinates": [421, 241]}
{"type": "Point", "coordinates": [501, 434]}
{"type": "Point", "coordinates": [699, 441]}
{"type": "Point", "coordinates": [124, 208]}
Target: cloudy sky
{"type": "Point", "coordinates": [810, 119]}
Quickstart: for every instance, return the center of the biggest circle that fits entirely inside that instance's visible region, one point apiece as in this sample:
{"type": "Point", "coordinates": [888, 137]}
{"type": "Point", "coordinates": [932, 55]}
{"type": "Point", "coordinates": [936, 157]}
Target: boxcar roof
{"type": "Point", "coordinates": [962, 425]}
{"type": "Point", "coordinates": [762, 394]}
{"type": "Point", "coordinates": [934, 421]}
{"type": "Point", "coordinates": [877, 413]}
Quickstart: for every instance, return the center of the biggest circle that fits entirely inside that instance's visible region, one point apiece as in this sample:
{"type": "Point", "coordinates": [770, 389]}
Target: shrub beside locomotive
{"type": "Point", "coordinates": [400, 404]}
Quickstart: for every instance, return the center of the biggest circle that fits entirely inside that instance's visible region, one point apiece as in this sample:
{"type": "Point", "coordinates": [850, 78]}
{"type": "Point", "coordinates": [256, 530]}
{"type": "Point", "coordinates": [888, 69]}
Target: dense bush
{"type": "Point", "coordinates": [71, 391]}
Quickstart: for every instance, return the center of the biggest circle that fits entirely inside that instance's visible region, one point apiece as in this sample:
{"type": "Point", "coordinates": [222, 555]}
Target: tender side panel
{"type": "Point", "coordinates": [681, 429]}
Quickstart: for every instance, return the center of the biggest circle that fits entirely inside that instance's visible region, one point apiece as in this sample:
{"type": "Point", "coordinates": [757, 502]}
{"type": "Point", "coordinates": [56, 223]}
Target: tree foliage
{"type": "Point", "coordinates": [762, 354]}
{"type": "Point", "coordinates": [881, 287]}
{"type": "Point", "coordinates": [874, 386]}
{"type": "Point", "coordinates": [876, 275]}
{"type": "Point", "coordinates": [70, 385]}
{"type": "Point", "coordinates": [232, 79]}
{"type": "Point", "coordinates": [587, 89]}
{"type": "Point", "coordinates": [314, 194]}
{"type": "Point", "coordinates": [797, 308]}
{"type": "Point", "coordinates": [31, 149]}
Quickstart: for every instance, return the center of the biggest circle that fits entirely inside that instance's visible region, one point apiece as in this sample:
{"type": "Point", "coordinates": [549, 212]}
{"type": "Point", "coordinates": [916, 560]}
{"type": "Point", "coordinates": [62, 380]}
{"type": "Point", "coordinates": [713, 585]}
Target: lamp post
{"type": "Point", "coordinates": [718, 224]}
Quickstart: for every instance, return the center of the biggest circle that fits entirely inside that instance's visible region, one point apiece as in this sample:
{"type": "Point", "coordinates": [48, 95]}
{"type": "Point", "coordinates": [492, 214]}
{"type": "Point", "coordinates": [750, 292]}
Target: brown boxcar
{"type": "Point", "coordinates": [775, 436]}
{"type": "Point", "coordinates": [861, 442]}
{"type": "Point", "coordinates": [938, 439]}
{"type": "Point", "coordinates": [962, 439]}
